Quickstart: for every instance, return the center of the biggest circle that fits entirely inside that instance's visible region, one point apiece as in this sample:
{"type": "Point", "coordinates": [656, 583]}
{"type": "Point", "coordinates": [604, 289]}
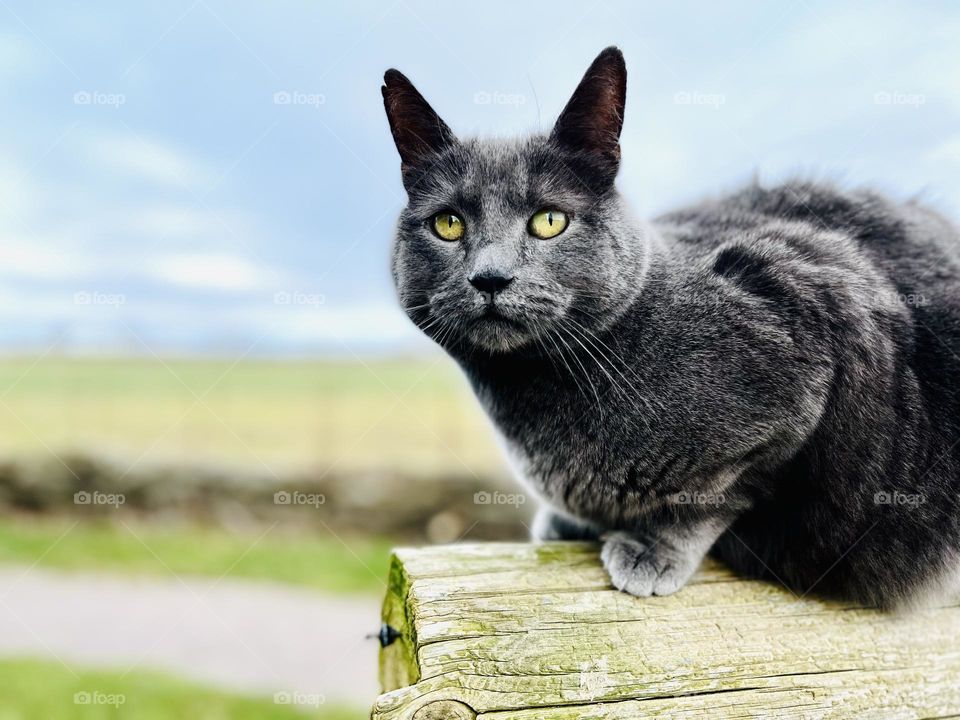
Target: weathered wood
{"type": "Point", "coordinates": [525, 632]}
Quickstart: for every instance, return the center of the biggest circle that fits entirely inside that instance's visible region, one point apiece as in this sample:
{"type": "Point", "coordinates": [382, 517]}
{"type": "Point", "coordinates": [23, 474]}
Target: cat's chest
{"type": "Point", "coordinates": [567, 449]}
{"type": "Point", "coordinates": [542, 420]}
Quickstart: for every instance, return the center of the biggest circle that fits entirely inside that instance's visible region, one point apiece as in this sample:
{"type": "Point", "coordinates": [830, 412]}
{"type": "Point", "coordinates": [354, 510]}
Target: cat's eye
{"type": "Point", "coordinates": [547, 224]}
{"type": "Point", "coordinates": [448, 226]}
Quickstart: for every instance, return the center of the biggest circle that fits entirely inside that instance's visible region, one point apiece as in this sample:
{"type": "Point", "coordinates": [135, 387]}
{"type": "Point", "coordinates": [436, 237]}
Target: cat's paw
{"type": "Point", "coordinates": [646, 568]}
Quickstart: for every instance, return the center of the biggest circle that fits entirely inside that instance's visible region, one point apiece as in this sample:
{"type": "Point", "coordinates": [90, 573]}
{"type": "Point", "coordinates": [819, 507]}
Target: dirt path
{"type": "Point", "coordinates": [255, 638]}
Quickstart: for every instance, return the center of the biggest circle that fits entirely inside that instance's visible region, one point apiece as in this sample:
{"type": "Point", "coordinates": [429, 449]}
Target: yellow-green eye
{"type": "Point", "coordinates": [548, 224]}
{"type": "Point", "coordinates": [448, 226]}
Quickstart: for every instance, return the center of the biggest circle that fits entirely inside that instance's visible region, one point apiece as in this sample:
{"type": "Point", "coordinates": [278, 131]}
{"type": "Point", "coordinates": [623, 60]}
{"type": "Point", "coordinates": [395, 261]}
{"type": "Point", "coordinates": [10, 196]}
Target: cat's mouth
{"type": "Point", "coordinates": [494, 314]}
{"type": "Point", "coordinates": [496, 330]}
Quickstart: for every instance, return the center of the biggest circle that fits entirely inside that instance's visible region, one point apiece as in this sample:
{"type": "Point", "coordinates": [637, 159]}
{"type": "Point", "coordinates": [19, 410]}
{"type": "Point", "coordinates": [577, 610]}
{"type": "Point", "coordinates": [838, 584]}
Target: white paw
{"type": "Point", "coordinates": [645, 569]}
{"type": "Point", "coordinates": [544, 529]}
{"type": "Point", "coordinates": [547, 525]}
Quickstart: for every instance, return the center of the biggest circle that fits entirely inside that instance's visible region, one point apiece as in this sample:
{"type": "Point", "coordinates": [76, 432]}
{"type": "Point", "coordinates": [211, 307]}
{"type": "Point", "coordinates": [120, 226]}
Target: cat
{"type": "Point", "coordinates": [771, 375]}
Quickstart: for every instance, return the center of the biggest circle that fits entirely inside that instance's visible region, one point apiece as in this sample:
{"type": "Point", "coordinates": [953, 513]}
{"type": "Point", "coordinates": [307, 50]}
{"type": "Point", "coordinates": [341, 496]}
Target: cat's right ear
{"type": "Point", "coordinates": [590, 124]}
{"type": "Point", "coordinates": [418, 131]}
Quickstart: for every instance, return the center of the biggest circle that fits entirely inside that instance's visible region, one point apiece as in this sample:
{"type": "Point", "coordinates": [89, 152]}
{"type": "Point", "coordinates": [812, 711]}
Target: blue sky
{"type": "Point", "coordinates": [218, 177]}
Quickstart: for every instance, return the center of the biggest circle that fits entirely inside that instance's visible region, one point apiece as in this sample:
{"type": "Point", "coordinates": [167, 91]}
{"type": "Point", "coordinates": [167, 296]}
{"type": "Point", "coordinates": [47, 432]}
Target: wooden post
{"type": "Point", "coordinates": [535, 632]}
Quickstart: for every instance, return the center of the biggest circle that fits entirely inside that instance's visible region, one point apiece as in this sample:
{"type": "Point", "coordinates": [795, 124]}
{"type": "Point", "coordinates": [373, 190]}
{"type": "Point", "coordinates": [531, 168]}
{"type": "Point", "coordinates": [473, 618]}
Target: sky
{"type": "Point", "coordinates": [218, 178]}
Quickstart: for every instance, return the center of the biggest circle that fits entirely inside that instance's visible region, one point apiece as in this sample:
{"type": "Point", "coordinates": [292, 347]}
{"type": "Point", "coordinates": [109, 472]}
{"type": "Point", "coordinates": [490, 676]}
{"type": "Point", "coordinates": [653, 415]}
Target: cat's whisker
{"type": "Point", "coordinates": [445, 331]}
{"type": "Point", "coordinates": [592, 295]}
{"type": "Point", "coordinates": [538, 340]}
{"type": "Point", "coordinates": [603, 369]}
{"type": "Point", "coordinates": [427, 326]}
{"type": "Point", "coordinates": [586, 373]}
{"type": "Point", "coordinates": [595, 340]}
{"type": "Point", "coordinates": [549, 336]}
{"type": "Point", "coordinates": [634, 394]}
{"type": "Point", "coordinates": [607, 353]}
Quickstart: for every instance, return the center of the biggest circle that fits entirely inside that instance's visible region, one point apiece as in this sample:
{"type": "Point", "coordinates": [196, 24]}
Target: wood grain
{"type": "Point", "coordinates": [536, 631]}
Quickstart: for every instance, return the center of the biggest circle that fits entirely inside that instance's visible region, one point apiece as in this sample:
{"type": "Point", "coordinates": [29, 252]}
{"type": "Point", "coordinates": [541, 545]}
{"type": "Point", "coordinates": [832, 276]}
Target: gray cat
{"type": "Point", "coordinates": [773, 374]}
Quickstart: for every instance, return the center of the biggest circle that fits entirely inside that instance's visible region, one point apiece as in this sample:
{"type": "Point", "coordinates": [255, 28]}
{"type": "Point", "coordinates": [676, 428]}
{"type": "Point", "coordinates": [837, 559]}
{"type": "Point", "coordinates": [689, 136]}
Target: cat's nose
{"type": "Point", "coordinates": [490, 281]}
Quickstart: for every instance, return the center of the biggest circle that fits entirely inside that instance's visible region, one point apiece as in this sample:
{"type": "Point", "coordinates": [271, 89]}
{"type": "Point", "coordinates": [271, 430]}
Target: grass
{"type": "Point", "coordinates": [407, 415]}
{"type": "Point", "coordinates": [33, 689]}
{"type": "Point", "coordinates": [322, 562]}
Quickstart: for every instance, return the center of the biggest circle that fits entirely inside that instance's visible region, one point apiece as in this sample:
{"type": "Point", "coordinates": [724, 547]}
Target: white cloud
{"type": "Point", "coordinates": [17, 57]}
{"type": "Point", "coordinates": [33, 257]}
{"type": "Point", "coordinates": [17, 194]}
{"type": "Point", "coordinates": [660, 179]}
{"type": "Point", "coordinates": [948, 151]}
{"type": "Point", "coordinates": [150, 159]}
{"type": "Point", "coordinates": [359, 324]}
{"type": "Point", "coordinates": [209, 271]}
{"type": "Point", "coordinates": [181, 221]}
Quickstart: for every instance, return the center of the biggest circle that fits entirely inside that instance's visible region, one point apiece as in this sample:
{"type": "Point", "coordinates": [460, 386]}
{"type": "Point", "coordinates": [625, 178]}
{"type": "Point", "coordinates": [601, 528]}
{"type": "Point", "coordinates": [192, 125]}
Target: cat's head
{"type": "Point", "coordinates": [515, 244]}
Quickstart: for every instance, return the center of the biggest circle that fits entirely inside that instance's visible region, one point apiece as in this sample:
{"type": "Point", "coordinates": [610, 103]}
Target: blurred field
{"type": "Point", "coordinates": [199, 450]}
{"type": "Point", "coordinates": [31, 689]}
{"type": "Point", "coordinates": [282, 416]}
{"type": "Point", "coordinates": [338, 564]}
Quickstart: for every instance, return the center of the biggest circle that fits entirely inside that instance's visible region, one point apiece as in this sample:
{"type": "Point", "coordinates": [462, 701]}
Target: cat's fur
{"type": "Point", "coordinates": [773, 374]}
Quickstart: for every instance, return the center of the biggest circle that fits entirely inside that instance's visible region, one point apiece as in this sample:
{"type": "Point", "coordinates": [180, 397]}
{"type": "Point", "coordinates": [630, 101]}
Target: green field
{"type": "Point", "coordinates": [32, 689]}
{"type": "Point", "coordinates": [402, 415]}
{"type": "Point", "coordinates": [254, 417]}
{"type": "Point", "coordinates": [343, 564]}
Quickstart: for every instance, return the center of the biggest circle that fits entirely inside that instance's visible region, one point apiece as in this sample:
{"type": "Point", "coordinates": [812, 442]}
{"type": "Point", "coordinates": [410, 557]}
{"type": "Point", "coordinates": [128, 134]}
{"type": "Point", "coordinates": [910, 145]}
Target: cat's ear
{"type": "Point", "coordinates": [417, 130]}
{"type": "Point", "coordinates": [592, 120]}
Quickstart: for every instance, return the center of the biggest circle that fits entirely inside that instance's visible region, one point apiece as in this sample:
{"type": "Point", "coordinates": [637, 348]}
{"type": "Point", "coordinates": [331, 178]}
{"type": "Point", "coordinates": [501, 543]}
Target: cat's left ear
{"type": "Point", "coordinates": [418, 131]}
{"type": "Point", "coordinates": [593, 118]}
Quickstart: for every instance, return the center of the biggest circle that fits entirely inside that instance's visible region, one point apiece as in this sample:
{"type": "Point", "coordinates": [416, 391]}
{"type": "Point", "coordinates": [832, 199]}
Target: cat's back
{"type": "Point", "coordinates": [905, 254]}
{"type": "Point", "coordinates": [912, 244]}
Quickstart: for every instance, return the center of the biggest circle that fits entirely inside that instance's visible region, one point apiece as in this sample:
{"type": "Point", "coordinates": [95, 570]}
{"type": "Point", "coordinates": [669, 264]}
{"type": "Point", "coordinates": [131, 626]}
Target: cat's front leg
{"type": "Point", "coordinates": [661, 562]}
{"type": "Point", "coordinates": [551, 525]}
